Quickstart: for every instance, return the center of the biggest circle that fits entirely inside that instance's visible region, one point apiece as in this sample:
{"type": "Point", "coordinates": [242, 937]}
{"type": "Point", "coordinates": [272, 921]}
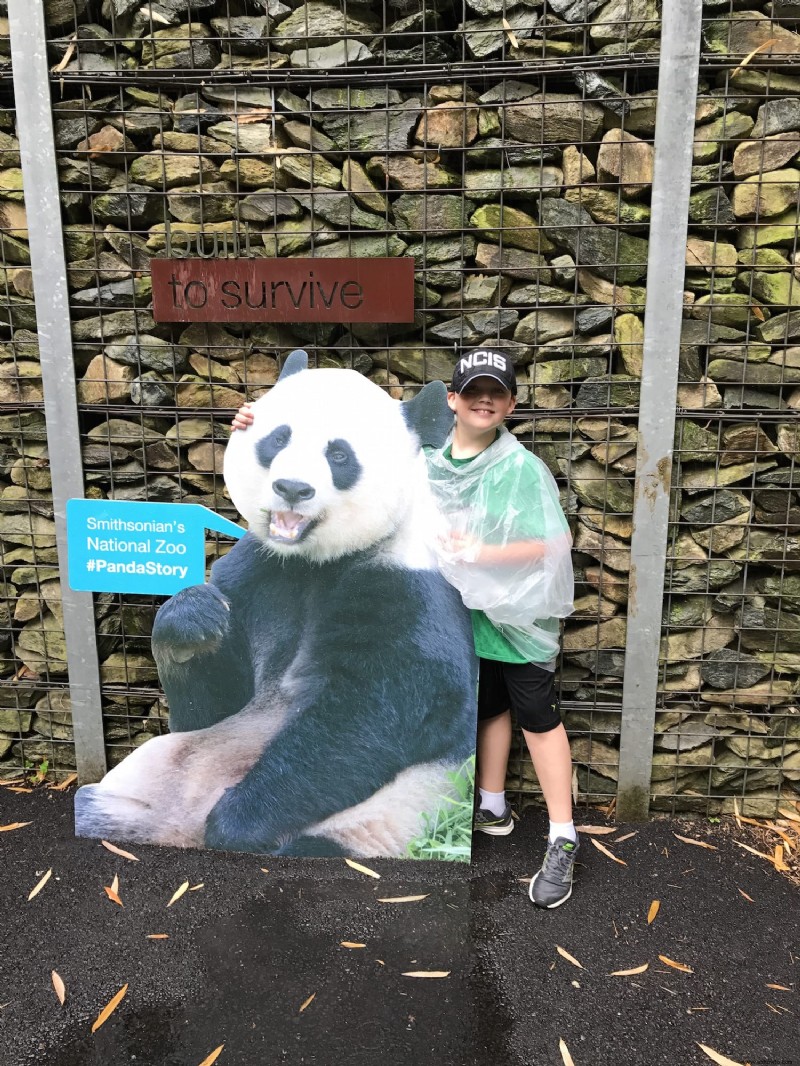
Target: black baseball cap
{"type": "Point", "coordinates": [484, 363]}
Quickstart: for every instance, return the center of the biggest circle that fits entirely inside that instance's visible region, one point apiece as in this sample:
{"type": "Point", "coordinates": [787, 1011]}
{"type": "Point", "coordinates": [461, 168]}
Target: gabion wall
{"type": "Point", "coordinates": [509, 151]}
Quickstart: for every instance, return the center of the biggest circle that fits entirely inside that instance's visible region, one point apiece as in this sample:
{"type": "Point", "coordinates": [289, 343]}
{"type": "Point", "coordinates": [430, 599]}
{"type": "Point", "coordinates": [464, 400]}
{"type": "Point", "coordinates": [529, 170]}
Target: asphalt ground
{"type": "Point", "coordinates": [248, 949]}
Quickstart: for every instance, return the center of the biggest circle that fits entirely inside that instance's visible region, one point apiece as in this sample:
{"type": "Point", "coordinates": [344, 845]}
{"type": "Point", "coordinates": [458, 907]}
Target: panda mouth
{"type": "Point", "coordinates": [288, 527]}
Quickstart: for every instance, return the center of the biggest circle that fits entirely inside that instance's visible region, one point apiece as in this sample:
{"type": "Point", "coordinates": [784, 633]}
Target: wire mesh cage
{"type": "Point", "coordinates": [507, 148]}
{"type": "Point", "coordinates": [728, 727]}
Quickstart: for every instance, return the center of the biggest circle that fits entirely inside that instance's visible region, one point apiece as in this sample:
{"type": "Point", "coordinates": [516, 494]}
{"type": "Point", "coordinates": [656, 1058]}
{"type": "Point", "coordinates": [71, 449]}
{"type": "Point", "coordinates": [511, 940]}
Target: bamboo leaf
{"type": "Point", "coordinates": [715, 1056]}
{"type": "Point", "coordinates": [406, 899]}
{"type": "Point", "coordinates": [12, 825]}
{"type": "Point", "coordinates": [67, 56]}
{"type": "Point", "coordinates": [109, 1008]}
{"type": "Point", "coordinates": [158, 936]}
{"type": "Point", "coordinates": [654, 908]}
{"type": "Point", "coordinates": [351, 944]}
{"type": "Point", "coordinates": [306, 1002]}
{"type": "Point", "coordinates": [361, 869]}
{"type": "Point", "coordinates": [610, 854]}
{"type": "Point", "coordinates": [119, 851]}
{"type": "Point", "coordinates": [697, 843]}
{"type": "Point", "coordinates": [40, 885]}
{"type": "Point", "coordinates": [675, 965]}
{"type": "Point", "coordinates": [630, 973]}
{"type": "Point", "coordinates": [212, 1058]}
{"type": "Point", "coordinates": [59, 986]}
{"type": "Point", "coordinates": [113, 895]}
{"type": "Point", "coordinates": [565, 1055]}
{"type": "Point", "coordinates": [760, 854]}
{"type": "Point", "coordinates": [570, 958]}
{"type": "Point", "coordinates": [780, 988]}
{"type": "Point", "coordinates": [69, 780]}
{"type": "Point", "coordinates": [764, 45]}
{"type": "Point", "coordinates": [427, 973]}
{"type": "Point", "coordinates": [512, 37]}
{"type": "Point", "coordinates": [596, 830]}
{"type": "Point", "coordinates": [743, 893]}
{"type": "Point", "coordinates": [178, 893]}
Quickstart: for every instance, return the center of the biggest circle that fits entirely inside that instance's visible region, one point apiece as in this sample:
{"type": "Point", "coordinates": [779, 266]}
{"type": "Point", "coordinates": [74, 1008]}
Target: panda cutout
{"type": "Point", "coordinates": [322, 685]}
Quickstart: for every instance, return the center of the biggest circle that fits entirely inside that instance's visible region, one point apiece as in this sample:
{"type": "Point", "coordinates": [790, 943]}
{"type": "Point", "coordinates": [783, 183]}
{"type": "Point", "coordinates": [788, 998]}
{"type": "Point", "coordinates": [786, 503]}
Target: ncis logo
{"type": "Point", "coordinates": [482, 357]}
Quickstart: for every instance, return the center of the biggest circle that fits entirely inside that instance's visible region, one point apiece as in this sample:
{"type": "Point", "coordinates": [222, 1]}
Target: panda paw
{"type": "Point", "coordinates": [193, 622]}
{"type": "Point", "coordinates": [234, 826]}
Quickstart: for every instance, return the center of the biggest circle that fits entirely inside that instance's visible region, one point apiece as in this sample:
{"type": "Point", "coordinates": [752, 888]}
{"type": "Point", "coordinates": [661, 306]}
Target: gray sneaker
{"type": "Point", "coordinates": [552, 886]}
{"type": "Point", "coordinates": [485, 822]}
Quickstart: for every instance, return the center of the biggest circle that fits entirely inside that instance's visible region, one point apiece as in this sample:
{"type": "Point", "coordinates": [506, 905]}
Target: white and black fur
{"type": "Point", "coordinates": [322, 684]}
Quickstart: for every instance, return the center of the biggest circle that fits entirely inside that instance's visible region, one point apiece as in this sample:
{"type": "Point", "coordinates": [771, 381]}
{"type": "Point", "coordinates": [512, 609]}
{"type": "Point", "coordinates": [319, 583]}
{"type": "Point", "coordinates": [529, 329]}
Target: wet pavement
{"type": "Point", "coordinates": [245, 951]}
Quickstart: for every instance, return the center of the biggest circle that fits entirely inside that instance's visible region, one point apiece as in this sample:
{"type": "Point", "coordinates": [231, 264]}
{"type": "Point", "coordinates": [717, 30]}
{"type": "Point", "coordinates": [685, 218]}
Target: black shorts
{"type": "Point", "coordinates": [525, 688]}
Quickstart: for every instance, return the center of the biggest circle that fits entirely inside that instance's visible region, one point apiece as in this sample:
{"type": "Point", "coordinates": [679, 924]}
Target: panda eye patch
{"type": "Point", "coordinates": [269, 446]}
{"type": "Point", "coordinates": [345, 467]}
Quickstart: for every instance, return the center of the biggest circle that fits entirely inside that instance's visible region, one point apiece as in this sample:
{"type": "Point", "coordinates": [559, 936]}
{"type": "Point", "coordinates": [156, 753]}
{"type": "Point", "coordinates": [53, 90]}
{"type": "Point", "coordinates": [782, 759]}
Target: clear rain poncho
{"type": "Point", "coordinates": [499, 498]}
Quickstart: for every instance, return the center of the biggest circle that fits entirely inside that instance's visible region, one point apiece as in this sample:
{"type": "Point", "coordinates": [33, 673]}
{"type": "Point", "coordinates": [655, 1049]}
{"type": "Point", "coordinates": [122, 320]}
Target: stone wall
{"type": "Point", "coordinates": [516, 168]}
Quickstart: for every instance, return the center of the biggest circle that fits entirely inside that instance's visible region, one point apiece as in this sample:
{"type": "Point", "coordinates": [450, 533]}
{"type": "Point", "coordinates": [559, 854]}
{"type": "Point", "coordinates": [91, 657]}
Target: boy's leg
{"type": "Point", "coordinates": [493, 815]}
{"type": "Point", "coordinates": [533, 699]}
{"type": "Point", "coordinates": [552, 761]}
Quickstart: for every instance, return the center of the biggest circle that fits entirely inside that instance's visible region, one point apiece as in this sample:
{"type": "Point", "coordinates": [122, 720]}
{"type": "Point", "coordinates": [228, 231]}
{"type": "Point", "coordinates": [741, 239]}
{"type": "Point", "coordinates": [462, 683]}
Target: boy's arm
{"type": "Point", "coordinates": [516, 553]}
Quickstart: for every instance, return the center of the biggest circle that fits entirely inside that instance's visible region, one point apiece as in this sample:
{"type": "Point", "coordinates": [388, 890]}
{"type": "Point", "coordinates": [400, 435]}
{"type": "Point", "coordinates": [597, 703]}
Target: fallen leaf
{"type": "Point", "coordinates": [787, 840]}
{"type": "Point", "coordinates": [778, 862]}
{"type": "Point", "coordinates": [715, 1056]}
{"type": "Point", "coordinates": [697, 843]}
{"type": "Point", "coordinates": [736, 812]}
{"type": "Point", "coordinates": [570, 958]}
{"type": "Point", "coordinates": [158, 936]}
{"type": "Point", "coordinates": [774, 1010]}
{"type": "Point", "coordinates": [119, 851]}
{"type": "Point", "coordinates": [512, 37]}
{"type": "Point", "coordinates": [746, 60]}
{"type": "Point", "coordinates": [12, 825]}
{"type": "Point", "coordinates": [610, 854]}
{"type": "Point", "coordinates": [16, 788]}
{"type": "Point", "coordinates": [753, 851]}
{"type": "Point", "coordinates": [11, 780]}
{"type": "Point", "coordinates": [757, 313]}
{"type": "Point", "coordinates": [59, 986]}
{"type": "Point", "coordinates": [743, 893]}
{"type": "Point", "coordinates": [629, 973]}
{"type": "Point", "coordinates": [69, 780]}
{"type": "Point", "coordinates": [651, 914]}
{"type": "Point", "coordinates": [196, 888]}
{"type": "Point", "coordinates": [178, 893]}
{"type": "Point", "coordinates": [361, 869]}
{"type": "Point", "coordinates": [215, 1054]}
{"type": "Point", "coordinates": [263, 869]}
{"type": "Point", "coordinates": [38, 888]}
{"type": "Point", "coordinates": [406, 899]}
{"type": "Point", "coordinates": [675, 965]}
{"type": "Point", "coordinates": [780, 988]}
{"type": "Point", "coordinates": [789, 814]}
{"type": "Point", "coordinates": [306, 1002]}
{"type": "Point", "coordinates": [109, 1008]}
{"type": "Point", "coordinates": [691, 1010]}
{"type": "Point", "coordinates": [254, 116]}
{"type": "Point", "coordinates": [427, 973]}
{"type": "Point", "coordinates": [565, 1055]}
{"type": "Point", "coordinates": [67, 56]}
{"type": "Point", "coordinates": [596, 830]}
{"type": "Point", "coordinates": [112, 891]}
{"type": "Point", "coordinates": [626, 837]}
{"type": "Point", "coordinates": [351, 944]}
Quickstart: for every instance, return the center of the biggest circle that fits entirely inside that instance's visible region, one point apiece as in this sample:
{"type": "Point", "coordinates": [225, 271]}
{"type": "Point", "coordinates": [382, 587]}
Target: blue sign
{"type": "Point", "coordinates": [152, 549]}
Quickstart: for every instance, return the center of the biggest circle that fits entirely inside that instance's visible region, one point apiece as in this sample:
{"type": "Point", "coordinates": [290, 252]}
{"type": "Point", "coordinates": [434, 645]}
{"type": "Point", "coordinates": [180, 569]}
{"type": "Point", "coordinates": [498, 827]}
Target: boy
{"type": "Point", "coordinates": [501, 501]}
{"type": "Point", "coordinates": [510, 535]}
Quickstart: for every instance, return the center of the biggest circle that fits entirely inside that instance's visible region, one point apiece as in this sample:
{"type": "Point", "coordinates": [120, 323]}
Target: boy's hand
{"type": "Point", "coordinates": [462, 545]}
{"type": "Point", "coordinates": [243, 418]}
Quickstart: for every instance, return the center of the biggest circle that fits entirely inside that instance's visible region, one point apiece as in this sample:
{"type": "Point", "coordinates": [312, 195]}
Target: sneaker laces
{"type": "Point", "coordinates": [557, 862]}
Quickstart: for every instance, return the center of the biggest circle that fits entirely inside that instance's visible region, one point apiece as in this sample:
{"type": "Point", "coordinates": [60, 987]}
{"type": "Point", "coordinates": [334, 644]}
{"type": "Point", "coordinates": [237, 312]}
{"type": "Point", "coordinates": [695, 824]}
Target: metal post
{"type": "Point", "coordinates": [49, 269]}
{"type": "Point", "coordinates": [677, 92]}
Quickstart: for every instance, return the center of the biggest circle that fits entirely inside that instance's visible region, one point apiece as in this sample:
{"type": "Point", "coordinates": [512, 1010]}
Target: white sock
{"type": "Point", "coordinates": [562, 829]}
{"type": "Point", "coordinates": [493, 801]}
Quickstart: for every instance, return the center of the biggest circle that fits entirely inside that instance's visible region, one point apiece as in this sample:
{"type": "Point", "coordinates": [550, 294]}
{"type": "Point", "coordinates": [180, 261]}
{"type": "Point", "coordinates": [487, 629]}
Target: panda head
{"type": "Point", "coordinates": [331, 464]}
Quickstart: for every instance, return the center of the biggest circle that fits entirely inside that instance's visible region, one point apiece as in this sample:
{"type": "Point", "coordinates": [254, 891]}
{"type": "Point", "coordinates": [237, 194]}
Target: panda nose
{"type": "Point", "coordinates": [293, 491]}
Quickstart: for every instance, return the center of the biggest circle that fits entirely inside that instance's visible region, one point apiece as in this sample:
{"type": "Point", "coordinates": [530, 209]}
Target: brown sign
{"type": "Point", "coordinates": [283, 290]}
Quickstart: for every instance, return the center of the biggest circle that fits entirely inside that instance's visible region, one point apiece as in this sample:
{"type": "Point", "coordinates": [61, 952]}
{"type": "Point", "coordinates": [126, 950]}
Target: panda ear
{"type": "Point", "coordinates": [428, 415]}
{"type": "Point", "coordinates": [295, 362]}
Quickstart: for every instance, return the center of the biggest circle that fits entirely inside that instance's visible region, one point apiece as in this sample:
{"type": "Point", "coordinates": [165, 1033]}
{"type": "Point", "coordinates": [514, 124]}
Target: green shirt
{"type": "Point", "coordinates": [489, 640]}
